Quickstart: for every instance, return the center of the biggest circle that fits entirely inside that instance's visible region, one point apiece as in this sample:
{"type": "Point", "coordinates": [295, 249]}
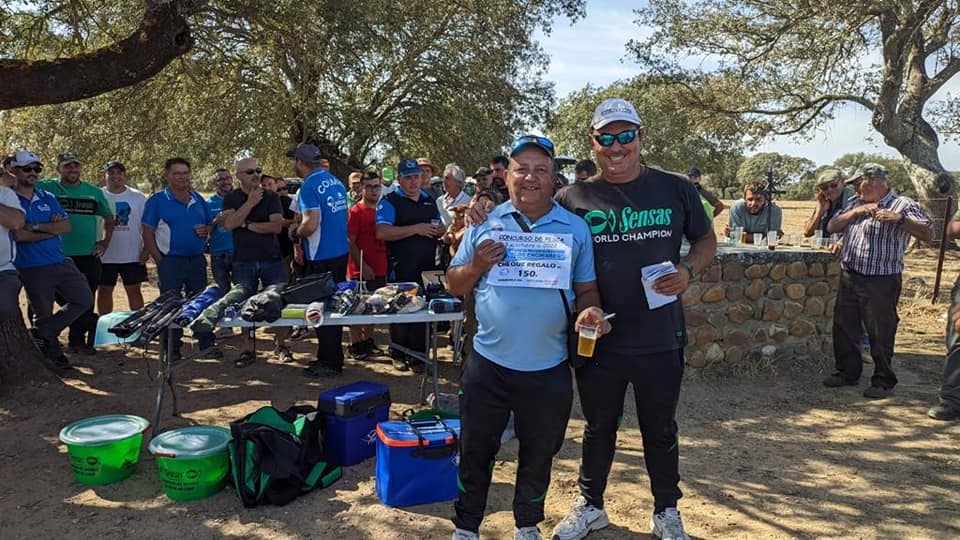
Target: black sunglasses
{"type": "Point", "coordinates": [37, 169]}
{"type": "Point", "coordinates": [258, 170]}
{"type": "Point", "coordinates": [624, 137]}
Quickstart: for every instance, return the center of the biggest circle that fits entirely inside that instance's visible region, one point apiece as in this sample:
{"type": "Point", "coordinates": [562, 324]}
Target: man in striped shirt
{"type": "Point", "coordinates": [877, 227]}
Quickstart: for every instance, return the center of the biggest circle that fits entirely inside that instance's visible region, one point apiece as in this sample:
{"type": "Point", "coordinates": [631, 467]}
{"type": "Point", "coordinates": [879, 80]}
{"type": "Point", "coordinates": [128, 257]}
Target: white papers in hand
{"type": "Point", "coordinates": [652, 273]}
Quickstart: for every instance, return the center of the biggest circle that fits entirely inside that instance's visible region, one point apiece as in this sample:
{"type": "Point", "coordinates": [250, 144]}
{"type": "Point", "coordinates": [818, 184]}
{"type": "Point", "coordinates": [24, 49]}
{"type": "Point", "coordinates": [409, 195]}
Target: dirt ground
{"type": "Point", "coordinates": [773, 455]}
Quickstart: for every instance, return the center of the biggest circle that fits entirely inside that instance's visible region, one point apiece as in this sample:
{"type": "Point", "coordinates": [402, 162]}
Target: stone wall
{"type": "Point", "coordinates": [758, 307]}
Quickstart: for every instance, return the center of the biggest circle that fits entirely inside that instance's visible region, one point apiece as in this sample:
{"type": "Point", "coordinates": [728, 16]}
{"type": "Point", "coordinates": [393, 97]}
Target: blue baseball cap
{"type": "Point", "coordinates": [524, 141]}
{"type": "Point", "coordinates": [408, 167]}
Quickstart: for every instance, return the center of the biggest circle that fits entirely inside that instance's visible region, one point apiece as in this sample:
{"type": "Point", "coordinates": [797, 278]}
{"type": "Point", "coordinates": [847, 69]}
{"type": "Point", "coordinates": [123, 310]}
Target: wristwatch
{"type": "Point", "coordinates": [689, 267]}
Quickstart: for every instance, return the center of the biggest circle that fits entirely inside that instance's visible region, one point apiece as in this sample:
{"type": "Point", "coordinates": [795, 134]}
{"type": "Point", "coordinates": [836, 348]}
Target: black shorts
{"type": "Point", "coordinates": [132, 274]}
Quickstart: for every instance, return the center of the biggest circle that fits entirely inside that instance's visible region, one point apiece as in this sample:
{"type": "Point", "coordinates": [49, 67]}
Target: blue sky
{"type": "Point", "coordinates": [593, 51]}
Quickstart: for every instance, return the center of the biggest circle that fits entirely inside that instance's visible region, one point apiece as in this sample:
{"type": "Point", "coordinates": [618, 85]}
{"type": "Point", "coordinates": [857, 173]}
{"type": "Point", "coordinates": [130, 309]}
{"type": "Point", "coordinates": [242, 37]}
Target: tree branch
{"type": "Point", "coordinates": [163, 35]}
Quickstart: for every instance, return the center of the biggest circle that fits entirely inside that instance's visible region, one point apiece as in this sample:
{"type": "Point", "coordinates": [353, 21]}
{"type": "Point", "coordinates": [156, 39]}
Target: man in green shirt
{"type": "Point", "coordinates": [85, 205]}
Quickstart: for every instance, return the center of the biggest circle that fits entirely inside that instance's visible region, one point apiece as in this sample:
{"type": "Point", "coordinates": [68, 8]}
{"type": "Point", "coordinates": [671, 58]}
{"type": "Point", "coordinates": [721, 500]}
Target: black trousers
{"type": "Point", "coordinates": [656, 381]}
{"type": "Point", "coordinates": [84, 329]}
{"type": "Point", "coordinates": [412, 336]}
{"type": "Point", "coordinates": [866, 302]}
{"type": "Point", "coordinates": [950, 389]}
{"type": "Point", "coordinates": [540, 401]}
{"type": "Point", "coordinates": [329, 338]}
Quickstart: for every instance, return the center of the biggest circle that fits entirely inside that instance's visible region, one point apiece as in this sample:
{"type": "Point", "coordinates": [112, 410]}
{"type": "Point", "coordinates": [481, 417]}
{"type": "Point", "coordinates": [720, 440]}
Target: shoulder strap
{"type": "Point", "coordinates": [563, 297]}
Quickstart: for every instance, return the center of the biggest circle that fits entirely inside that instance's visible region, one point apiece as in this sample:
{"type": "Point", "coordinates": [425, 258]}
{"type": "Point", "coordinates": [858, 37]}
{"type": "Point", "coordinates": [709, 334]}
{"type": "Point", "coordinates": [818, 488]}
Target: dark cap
{"type": "Point", "coordinates": [868, 169]}
{"type": "Point", "coordinates": [693, 172]}
{"type": "Point", "coordinates": [828, 176]}
{"type": "Point", "coordinates": [408, 167]}
{"type": "Point", "coordinates": [67, 157]}
{"type": "Point", "coordinates": [114, 164]}
{"type": "Point", "coordinates": [524, 141]}
{"type": "Point", "coordinates": [305, 152]}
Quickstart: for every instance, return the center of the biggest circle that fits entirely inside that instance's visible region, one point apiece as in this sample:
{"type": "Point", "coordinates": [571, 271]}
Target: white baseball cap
{"type": "Point", "coordinates": [615, 110]}
{"type": "Point", "coordinates": [24, 158]}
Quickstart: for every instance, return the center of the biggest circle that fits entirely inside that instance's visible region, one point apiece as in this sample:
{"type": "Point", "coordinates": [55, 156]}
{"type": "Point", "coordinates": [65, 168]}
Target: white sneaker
{"type": "Point", "coordinates": [527, 533]}
{"type": "Point", "coordinates": [667, 525]}
{"type": "Point", "coordinates": [582, 519]}
{"type": "Point", "coordinates": [463, 534]}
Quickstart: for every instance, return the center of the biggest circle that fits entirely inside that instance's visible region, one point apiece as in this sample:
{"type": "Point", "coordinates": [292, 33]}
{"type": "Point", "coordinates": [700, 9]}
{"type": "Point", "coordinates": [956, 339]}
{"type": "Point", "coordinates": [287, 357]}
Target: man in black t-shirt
{"type": "Point", "coordinates": [255, 217]}
{"type": "Point", "coordinates": [637, 216]}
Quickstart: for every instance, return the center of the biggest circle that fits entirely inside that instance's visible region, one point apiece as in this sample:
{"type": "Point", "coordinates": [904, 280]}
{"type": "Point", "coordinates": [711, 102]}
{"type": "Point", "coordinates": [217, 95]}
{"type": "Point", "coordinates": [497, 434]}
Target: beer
{"type": "Point", "coordinates": [587, 340]}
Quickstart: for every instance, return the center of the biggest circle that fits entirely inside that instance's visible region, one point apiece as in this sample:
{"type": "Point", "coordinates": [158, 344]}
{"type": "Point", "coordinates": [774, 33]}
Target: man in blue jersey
{"type": "Point", "coordinates": [408, 220]}
{"type": "Point", "coordinates": [176, 224]}
{"type": "Point", "coordinates": [45, 270]}
{"type": "Point", "coordinates": [221, 240]}
{"type": "Point", "coordinates": [323, 233]}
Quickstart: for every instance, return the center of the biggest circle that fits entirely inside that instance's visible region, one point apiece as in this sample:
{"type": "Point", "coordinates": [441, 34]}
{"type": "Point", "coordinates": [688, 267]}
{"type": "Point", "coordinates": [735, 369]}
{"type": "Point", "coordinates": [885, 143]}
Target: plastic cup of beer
{"type": "Point", "coordinates": [587, 340]}
{"type": "Point", "coordinates": [772, 240]}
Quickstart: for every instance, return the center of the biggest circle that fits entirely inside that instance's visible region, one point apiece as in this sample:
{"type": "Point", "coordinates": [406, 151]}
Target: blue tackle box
{"type": "Point", "coordinates": [352, 413]}
{"type": "Point", "coordinates": [417, 461]}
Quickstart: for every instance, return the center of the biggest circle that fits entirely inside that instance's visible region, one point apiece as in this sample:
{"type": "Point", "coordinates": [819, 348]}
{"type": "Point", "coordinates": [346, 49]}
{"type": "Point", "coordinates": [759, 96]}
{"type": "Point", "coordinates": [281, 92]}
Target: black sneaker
{"type": "Point", "coordinates": [943, 412]}
{"type": "Point", "coordinates": [82, 349]}
{"type": "Point", "coordinates": [370, 347]}
{"type": "Point", "coordinates": [357, 351]}
{"type": "Point", "coordinates": [298, 333]}
{"type": "Point", "coordinates": [317, 370]}
{"type": "Point", "coordinates": [835, 381]}
{"type": "Point", "coordinates": [877, 392]}
{"type": "Point", "coordinates": [416, 366]}
{"type": "Point", "coordinates": [210, 353]}
{"type": "Point", "coordinates": [61, 364]}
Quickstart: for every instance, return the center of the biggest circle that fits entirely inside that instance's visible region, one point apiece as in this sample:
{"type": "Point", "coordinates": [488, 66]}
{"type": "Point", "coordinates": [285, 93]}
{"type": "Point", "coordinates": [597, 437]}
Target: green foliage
{"type": "Point", "coordinates": [785, 67]}
{"type": "Point", "coordinates": [366, 81]}
{"type": "Point", "coordinates": [785, 170]}
{"type": "Point", "coordinates": [676, 136]}
{"type": "Point", "coordinates": [897, 178]}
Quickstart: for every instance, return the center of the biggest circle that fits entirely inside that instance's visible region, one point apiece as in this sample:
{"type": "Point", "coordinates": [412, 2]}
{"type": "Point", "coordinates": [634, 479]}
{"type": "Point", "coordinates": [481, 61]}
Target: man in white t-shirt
{"type": "Point", "coordinates": [11, 218]}
{"type": "Point", "coordinates": [125, 257]}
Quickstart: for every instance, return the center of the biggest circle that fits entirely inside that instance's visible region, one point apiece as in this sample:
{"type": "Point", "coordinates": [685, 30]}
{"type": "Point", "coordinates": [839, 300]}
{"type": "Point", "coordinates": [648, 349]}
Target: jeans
{"type": "Point", "coordinates": [602, 385]}
{"type": "Point", "coordinates": [43, 284]}
{"type": "Point", "coordinates": [249, 274]}
{"type": "Point", "coordinates": [540, 401]}
{"type": "Point", "coordinates": [187, 274]}
{"type": "Point", "coordinates": [221, 266]}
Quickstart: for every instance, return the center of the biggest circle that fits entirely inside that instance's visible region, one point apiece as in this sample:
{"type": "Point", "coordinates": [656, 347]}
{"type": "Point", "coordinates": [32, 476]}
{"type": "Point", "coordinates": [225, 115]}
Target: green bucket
{"type": "Point", "coordinates": [104, 449]}
{"type": "Point", "coordinates": [193, 462]}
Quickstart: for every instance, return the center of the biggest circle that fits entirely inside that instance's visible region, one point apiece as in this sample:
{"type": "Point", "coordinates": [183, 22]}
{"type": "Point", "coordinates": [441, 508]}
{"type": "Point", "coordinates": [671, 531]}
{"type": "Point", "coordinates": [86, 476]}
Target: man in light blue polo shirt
{"type": "Point", "coordinates": [44, 269]}
{"type": "Point", "coordinates": [520, 350]}
{"type": "Point", "coordinates": [176, 223]}
{"type": "Point", "coordinates": [323, 232]}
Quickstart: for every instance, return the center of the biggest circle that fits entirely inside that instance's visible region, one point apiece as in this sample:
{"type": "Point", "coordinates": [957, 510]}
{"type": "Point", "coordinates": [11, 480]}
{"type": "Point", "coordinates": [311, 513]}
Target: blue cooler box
{"type": "Point", "coordinates": [352, 413]}
{"type": "Point", "coordinates": [417, 461]}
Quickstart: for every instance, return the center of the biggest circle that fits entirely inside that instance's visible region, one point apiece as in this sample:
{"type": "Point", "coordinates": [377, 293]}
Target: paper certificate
{"type": "Point", "coordinates": [539, 260]}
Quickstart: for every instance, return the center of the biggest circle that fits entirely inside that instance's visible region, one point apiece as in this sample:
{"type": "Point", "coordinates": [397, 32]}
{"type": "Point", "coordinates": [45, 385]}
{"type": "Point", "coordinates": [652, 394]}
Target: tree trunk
{"type": "Point", "coordinates": [163, 35]}
{"type": "Point", "coordinates": [20, 359]}
{"type": "Point", "coordinates": [934, 185]}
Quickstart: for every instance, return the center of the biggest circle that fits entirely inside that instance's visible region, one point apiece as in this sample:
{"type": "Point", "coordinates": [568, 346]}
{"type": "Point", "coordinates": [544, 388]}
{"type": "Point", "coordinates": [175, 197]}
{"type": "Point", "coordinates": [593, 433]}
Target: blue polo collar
{"type": "Point", "coordinates": [556, 213]}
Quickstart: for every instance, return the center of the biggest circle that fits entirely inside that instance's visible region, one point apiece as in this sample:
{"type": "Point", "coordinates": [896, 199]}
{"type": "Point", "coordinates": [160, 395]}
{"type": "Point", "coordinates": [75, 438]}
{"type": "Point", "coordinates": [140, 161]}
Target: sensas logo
{"type": "Point", "coordinates": [629, 219]}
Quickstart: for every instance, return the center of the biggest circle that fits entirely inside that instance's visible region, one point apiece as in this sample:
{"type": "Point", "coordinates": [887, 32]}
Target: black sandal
{"type": "Point", "coordinates": [246, 358]}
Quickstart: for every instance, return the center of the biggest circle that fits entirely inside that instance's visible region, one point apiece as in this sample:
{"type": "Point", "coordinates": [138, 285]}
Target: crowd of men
{"type": "Point", "coordinates": [66, 239]}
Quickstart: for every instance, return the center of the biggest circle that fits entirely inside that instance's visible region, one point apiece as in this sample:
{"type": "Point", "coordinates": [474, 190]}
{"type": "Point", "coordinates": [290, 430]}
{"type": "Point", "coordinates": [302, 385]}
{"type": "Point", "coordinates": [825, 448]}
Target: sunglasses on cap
{"type": "Point", "coordinates": [624, 137]}
{"type": "Point", "coordinates": [28, 169]}
{"type": "Point", "coordinates": [542, 142]}
{"type": "Point", "coordinates": [258, 170]}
